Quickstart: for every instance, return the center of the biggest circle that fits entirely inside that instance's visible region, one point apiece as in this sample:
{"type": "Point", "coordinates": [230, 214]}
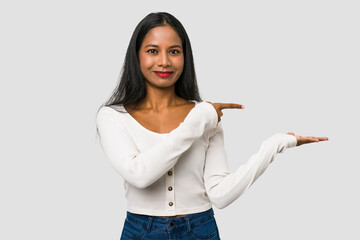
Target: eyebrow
{"type": "Point", "coordinates": [153, 45]}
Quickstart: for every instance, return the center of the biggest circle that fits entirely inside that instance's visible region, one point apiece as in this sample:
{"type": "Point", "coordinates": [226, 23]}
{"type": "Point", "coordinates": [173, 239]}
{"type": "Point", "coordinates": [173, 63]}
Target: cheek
{"type": "Point", "coordinates": [145, 62]}
{"type": "Point", "coordinates": [180, 63]}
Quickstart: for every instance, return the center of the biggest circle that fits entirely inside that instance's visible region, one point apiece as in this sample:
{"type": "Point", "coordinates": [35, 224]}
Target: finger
{"type": "Point", "coordinates": [320, 138]}
{"type": "Point", "coordinates": [291, 133]}
{"type": "Point", "coordinates": [308, 139]}
{"type": "Point", "coordinates": [323, 138]}
{"type": "Point", "coordinates": [231, 105]}
{"type": "Point", "coordinates": [313, 139]}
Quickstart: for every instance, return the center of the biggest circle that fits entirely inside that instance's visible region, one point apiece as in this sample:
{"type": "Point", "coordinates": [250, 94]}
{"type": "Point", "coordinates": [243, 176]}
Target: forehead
{"type": "Point", "coordinates": [162, 35]}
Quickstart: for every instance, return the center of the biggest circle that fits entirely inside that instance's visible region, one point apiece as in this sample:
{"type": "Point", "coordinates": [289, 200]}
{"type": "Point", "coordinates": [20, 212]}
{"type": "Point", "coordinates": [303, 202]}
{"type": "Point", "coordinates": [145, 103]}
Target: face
{"type": "Point", "coordinates": [161, 51]}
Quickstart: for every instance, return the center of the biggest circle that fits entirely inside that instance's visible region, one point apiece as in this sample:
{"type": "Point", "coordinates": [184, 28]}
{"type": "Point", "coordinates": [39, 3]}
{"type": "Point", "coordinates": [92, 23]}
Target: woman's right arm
{"type": "Point", "coordinates": [141, 169]}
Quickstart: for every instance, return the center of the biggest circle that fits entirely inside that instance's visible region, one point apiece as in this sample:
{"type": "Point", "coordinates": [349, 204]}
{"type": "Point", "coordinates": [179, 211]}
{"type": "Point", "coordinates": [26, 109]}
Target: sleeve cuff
{"type": "Point", "coordinates": [291, 140]}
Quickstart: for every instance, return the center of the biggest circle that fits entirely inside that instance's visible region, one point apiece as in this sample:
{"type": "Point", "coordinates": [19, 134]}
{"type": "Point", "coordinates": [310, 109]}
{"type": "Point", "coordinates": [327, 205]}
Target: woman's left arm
{"type": "Point", "coordinates": [223, 187]}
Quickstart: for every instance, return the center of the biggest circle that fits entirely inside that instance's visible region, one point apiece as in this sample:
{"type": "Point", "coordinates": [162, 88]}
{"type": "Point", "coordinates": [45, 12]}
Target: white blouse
{"type": "Point", "coordinates": [184, 171]}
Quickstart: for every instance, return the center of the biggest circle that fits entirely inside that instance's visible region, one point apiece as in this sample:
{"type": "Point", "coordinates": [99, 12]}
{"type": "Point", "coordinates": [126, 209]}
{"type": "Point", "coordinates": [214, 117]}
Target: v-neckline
{"type": "Point", "coordinates": [152, 132]}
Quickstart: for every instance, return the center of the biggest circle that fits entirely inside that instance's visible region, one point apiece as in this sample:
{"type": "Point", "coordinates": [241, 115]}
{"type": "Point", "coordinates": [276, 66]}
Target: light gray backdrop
{"type": "Point", "coordinates": [293, 64]}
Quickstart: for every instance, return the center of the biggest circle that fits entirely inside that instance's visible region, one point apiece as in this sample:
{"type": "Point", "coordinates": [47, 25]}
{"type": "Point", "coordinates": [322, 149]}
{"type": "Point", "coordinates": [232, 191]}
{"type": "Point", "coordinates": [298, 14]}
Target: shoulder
{"type": "Point", "coordinates": [119, 108]}
{"type": "Point", "coordinates": [110, 112]}
{"type": "Point", "coordinates": [184, 101]}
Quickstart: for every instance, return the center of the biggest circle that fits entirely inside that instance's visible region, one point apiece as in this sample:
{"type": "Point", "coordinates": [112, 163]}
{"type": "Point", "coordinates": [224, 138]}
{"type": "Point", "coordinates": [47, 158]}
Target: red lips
{"type": "Point", "coordinates": [163, 73]}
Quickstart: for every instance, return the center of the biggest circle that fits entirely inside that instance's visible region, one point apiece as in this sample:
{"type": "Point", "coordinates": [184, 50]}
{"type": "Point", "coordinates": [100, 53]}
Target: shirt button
{"type": "Point", "coordinates": [170, 188]}
{"type": "Point", "coordinates": [169, 173]}
{"type": "Point", "coordinates": [170, 203]}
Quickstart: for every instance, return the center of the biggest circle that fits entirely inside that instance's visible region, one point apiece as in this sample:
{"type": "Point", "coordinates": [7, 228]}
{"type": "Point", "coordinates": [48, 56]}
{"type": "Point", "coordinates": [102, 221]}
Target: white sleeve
{"type": "Point", "coordinates": [141, 169]}
{"type": "Point", "coordinates": [223, 187]}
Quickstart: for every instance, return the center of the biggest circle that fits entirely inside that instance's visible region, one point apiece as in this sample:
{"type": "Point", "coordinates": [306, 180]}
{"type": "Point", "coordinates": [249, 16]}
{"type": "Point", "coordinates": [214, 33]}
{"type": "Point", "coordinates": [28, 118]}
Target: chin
{"type": "Point", "coordinates": [161, 84]}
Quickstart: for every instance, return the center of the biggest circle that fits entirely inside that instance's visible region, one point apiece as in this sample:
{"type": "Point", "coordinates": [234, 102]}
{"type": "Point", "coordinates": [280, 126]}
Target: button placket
{"type": "Point", "coordinates": [170, 193]}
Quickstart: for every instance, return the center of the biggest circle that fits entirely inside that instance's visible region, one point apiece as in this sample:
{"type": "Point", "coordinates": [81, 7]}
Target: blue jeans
{"type": "Point", "coordinates": [193, 226]}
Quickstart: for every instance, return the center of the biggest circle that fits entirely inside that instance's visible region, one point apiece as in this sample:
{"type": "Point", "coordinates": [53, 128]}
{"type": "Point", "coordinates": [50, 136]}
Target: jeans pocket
{"type": "Point", "coordinates": [206, 230]}
{"type": "Point", "coordinates": [133, 230]}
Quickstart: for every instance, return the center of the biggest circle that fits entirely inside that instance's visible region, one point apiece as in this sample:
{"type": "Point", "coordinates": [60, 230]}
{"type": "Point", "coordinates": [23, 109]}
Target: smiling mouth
{"type": "Point", "coordinates": [163, 73]}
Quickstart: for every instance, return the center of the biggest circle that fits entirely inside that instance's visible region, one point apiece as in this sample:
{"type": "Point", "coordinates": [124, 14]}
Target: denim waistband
{"type": "Point", "coordinates": [189, 221]}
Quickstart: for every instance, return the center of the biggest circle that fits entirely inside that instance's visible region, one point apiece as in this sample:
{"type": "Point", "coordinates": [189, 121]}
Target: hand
{"type": "Point", "coordinates": [219, 106]}
{"type": "Point", "coordinates": [302, 140]}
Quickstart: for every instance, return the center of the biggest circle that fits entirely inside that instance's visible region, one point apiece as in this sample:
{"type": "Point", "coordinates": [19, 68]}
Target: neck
{"type": "Point", "coordinates": [159, 99]}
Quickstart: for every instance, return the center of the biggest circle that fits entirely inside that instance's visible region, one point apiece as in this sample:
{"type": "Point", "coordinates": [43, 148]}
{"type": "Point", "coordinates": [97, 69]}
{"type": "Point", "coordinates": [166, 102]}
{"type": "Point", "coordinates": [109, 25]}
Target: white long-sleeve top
{"type": "Point", "coordinates": [181, 172]}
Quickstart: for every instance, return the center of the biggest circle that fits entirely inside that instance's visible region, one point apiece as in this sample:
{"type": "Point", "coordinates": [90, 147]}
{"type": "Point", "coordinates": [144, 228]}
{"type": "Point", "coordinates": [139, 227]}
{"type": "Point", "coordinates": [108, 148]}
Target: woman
{"type": "Point", "coordinates": [168, 144]}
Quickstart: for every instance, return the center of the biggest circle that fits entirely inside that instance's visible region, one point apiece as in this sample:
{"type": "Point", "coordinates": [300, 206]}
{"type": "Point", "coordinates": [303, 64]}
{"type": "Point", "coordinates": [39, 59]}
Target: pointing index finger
{"type": "Point", "coordinates": [231, 105]}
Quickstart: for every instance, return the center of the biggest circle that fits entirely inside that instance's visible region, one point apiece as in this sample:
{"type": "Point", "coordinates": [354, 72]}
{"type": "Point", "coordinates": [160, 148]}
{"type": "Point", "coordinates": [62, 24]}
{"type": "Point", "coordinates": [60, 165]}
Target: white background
{"type": "Point", "coordinates": [293, 64]}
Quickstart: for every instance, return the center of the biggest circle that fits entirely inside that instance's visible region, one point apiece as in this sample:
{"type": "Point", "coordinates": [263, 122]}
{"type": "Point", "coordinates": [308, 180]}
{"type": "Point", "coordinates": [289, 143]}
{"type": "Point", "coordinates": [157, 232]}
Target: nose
{"type": "Point", "coordinates": [163, 60]}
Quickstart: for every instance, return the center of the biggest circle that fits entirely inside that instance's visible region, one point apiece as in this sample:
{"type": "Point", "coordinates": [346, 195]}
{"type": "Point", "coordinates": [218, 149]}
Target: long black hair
{"type": "Point", "coordinates": [131, 89]}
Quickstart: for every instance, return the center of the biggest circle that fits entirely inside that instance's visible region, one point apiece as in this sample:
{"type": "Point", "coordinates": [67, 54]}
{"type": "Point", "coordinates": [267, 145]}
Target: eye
{"type": "Point", "coordinates": [151, 50]}
{"type": "Point", "coordinates": [177, 51]}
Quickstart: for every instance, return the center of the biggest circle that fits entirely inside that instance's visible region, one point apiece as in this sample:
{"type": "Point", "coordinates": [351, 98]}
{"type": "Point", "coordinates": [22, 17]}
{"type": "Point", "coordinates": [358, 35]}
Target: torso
{"type": "Point", "coordinates": [163, 122]}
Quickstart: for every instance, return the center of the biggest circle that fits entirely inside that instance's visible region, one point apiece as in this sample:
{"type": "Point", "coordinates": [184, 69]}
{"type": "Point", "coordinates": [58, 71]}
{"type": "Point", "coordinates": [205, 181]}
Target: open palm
{"type": "Point", "coordinates": [308, 139]}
